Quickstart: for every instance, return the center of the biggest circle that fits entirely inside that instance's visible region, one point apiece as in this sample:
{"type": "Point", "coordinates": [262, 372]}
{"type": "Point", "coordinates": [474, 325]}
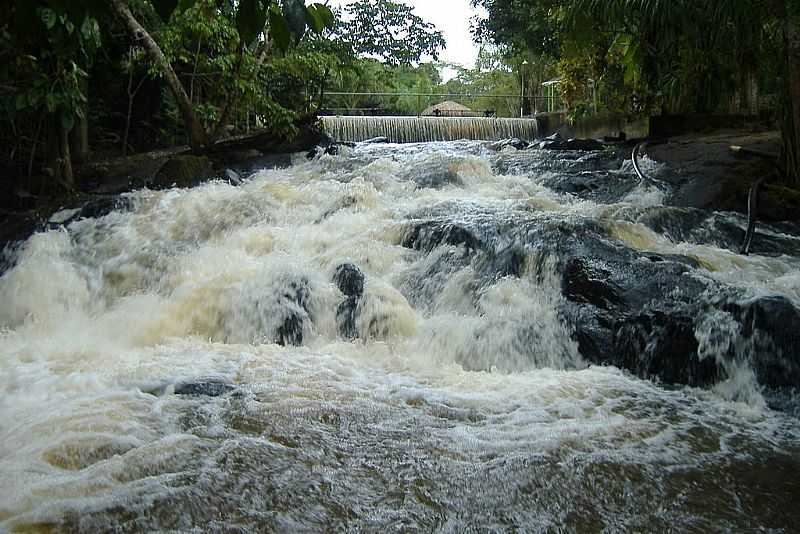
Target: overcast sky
{"type": "Point", "coordinates": [451, 17]}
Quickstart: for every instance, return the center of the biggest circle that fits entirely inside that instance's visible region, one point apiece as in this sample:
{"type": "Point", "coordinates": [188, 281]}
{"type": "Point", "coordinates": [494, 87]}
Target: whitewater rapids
{"type": "Point", "coordinates": [420, 424]}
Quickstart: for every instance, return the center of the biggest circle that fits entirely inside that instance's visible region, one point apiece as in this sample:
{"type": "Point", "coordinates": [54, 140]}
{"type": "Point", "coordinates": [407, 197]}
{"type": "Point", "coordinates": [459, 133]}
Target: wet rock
{"type": "Point", "coordinates": [508, 262]}
{"type": "Point", "coordinates": [662, 345]}
{"type": "Point", "coordinates": [346, 315]}
{"type": "Point", "coordinates": [203, 388]}
{"type": "Point", "coordinates": [433, 175]}
{"type": "Point", "coordinates": [296, 300]}
{"type": "Point", "coordinates": [376, 141]}
{"type": "Point", "coordinates": [556, 142]}
{"type": "Point", "coordinates": [599, 186]}
{"type": "Point", "coordinates": [724, 230]}
{"type": "Point", "coordinates": [516, 143]}
{"type": "Point", "coordinates": [182, 171]}
{"type": "Point", "coordinates": [426, 236]}
{"type": "Point", "coordinates": [583, 282]}
{"type": "Point", "coordinates": [349, 279]}
{"type": "Point", "coordinates": [233, 177]}
{"type": "Point", "coordinates": [772, 325]}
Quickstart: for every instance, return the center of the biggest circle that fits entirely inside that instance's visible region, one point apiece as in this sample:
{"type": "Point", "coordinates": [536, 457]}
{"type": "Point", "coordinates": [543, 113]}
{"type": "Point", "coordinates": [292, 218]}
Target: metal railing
{"type": "Point", "coordinates": [378, 103]}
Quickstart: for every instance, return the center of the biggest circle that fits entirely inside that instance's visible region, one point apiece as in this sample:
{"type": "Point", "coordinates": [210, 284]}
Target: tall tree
{"type": "Point", "coordinates": [389, 31]}
{"type": "Point", "coordinates": [252, 19]}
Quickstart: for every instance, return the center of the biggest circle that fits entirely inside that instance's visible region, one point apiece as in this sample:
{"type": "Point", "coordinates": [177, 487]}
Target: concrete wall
{"type": "Point", "coordinates": [593, 127]}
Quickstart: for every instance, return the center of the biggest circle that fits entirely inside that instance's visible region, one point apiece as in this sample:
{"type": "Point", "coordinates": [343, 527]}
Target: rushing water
{"type": "Point", "coordinates": [463, 404]}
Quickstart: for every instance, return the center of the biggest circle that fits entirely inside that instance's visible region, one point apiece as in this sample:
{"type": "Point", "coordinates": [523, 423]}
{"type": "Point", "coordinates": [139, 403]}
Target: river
{"type": "Point", "coordinates": [142, 388]}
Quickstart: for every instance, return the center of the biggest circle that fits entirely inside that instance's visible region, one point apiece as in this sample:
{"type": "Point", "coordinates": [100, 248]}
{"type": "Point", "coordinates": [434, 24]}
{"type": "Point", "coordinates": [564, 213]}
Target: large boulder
{"type": "Point", "coordinates": [644, 312]}
{"type": "Point", "coordinates": [182, 171]}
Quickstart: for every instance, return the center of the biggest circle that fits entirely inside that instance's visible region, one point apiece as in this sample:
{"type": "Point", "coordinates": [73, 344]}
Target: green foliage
{"type": "Point", "coordinates": [389, 31]}
{"type": "Point", "coordinates": [644, 55]}
{"type": "Point", "coordinates": [52, 66]}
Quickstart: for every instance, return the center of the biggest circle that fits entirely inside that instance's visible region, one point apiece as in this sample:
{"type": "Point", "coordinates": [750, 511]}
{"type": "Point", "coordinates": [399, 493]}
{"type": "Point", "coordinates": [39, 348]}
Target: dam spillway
{"type": "Point", "coordinates": [426, 129]}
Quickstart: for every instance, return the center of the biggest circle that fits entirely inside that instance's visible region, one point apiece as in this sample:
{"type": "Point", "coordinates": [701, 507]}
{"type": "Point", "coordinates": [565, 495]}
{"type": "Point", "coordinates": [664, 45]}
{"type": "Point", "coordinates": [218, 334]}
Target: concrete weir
{"type": "Point", "coordinates": [423, 129]}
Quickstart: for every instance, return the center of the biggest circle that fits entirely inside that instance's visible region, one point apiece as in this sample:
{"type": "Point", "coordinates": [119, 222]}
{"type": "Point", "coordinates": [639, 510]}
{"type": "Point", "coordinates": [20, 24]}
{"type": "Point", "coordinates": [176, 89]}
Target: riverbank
{"type": "Point", "coordinates": [98, 184]}
{"type": "Point", "coordinates": [708, 174]}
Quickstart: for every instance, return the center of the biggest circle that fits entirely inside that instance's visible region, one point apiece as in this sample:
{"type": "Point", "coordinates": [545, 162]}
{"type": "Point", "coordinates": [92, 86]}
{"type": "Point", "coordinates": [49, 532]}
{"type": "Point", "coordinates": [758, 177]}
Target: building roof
{"type": "Point", "coordinates": [448, 109]}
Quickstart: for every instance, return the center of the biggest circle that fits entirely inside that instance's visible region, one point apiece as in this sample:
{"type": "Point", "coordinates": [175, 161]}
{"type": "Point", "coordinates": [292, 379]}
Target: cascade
{"type": "Point", "coordinates": [422, 129]}
{"type": "Point", "coordinates": [418, 337]}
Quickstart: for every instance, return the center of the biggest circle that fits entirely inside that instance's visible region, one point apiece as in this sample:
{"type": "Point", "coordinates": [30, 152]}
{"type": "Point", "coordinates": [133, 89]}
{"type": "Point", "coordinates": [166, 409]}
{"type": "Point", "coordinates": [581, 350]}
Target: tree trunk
{"type": "Point", "coordinates": [791, 113]}
{"type": "Point", "coordinates": [79, 136]}
{"type": "Point", "coordinates": [67, 177]}
{"type": "Point", "coordinates": [197, 134]}
{"type": "Point", "coordinates": [58, 162]}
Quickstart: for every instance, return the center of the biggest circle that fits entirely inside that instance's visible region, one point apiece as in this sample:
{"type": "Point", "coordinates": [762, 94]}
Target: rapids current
{"type": "Point", "coordinates": [469, 398]}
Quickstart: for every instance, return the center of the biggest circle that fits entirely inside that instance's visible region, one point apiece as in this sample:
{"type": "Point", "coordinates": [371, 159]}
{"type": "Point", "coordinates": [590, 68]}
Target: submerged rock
{"type": "Point", "coordinates": [556, 142]}
{"type": "Point", "coordinates": [350, 281]}
{"type": "Point", "coordinates": [203, 388]}
{"type": "Point", "coordinates": [346, 316]}
{"type": "Point", "coordinates": [772, 326]}
{"type": "Point", "coordinates": [514, 142]}
{"type": "Point", "coordinates": [296, 301]}
{"type": "Point", "coordinates": [233, 177]}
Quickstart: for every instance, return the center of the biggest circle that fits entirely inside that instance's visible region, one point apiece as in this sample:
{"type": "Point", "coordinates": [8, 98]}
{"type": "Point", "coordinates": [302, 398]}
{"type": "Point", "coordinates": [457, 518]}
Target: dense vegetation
{"type": "Point", "coordinates": [93, 78]}
{"type": "Point", "coordinates": [116, 76]}
{"type": "Point", "coordinates": [661, 56]}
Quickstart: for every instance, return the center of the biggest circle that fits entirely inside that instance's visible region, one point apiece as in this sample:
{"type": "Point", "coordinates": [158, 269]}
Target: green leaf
{"type": "Point", "coordinates": [49, 17]}
{"type": "Point", "coordinates": [185, 5]}
{"type": "Point", "coordinates": [165, 8]}
{"type": "Point", "coordinates": [251, 18]}
{"type": "Point", "coordinates": [67, 121]}
{"type": "Point", "coordinates": [325, 14]}
{"type": "Point", "coordinates": [295, 15]}
{"type": "Point", "coordinates": [314, 19]}
{"type": "Point", "coordinates": [279, 28]}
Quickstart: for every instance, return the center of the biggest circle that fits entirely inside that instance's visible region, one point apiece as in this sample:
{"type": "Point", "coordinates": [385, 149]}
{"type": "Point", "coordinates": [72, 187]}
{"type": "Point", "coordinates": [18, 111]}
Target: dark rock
{"type": "Point", "coordinates": [102, 206]}
{"type": "Point", "coordinates": [598, 186]}
{"type": "Point", "coordinates": [203, 388]}
{"type": "Point", "coordinates": [349, 279]}
{"type": "Point", "coordinates": [772, 325]}
{"type": "Point", "coordinates": [182, 171]}
{"type": "Point", "coordinates": [346, 315]}
{"type": "Point", "coordinates": [556, 142]}
{"type": "Point", "coordinates": [508, 262]}
{"type": "Point", "coordinates": [296, 299]}
{"type": "Point", "coordinates": [582, 282]}
{"type": "Point", "coordinates": [233, 177]}
{"type": "Point", "coordinates": [428, 235]}
{"type": "Point", "coordinates": [514, 142]}
{"type": "Point", "coordinates": [662, 345]}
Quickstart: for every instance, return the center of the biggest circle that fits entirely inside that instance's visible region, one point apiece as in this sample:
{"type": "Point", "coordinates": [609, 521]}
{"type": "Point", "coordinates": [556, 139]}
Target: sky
{"type": "Point", "coordinates": [452, 17]}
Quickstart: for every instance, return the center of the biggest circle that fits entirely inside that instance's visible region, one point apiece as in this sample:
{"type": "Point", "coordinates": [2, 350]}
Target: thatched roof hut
{"type": "Point", "coordinates": [449, 109]}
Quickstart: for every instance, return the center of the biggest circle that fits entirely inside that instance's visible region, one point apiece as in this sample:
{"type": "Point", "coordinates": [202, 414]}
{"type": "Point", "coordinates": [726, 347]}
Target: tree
{"type": "Point", "coordinates": [671, 55]}
{"type": "Point", "coordinates": [249, 19]}
{"type": "Point", "coordinates": [389, 31]}
{"type": "Point", "coordinates": [47, 50]}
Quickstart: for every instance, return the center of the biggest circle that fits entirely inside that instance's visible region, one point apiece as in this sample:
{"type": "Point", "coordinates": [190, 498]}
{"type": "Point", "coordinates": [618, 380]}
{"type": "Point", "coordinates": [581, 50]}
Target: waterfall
{"type": "Point", "coordinates": [422, 129]}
